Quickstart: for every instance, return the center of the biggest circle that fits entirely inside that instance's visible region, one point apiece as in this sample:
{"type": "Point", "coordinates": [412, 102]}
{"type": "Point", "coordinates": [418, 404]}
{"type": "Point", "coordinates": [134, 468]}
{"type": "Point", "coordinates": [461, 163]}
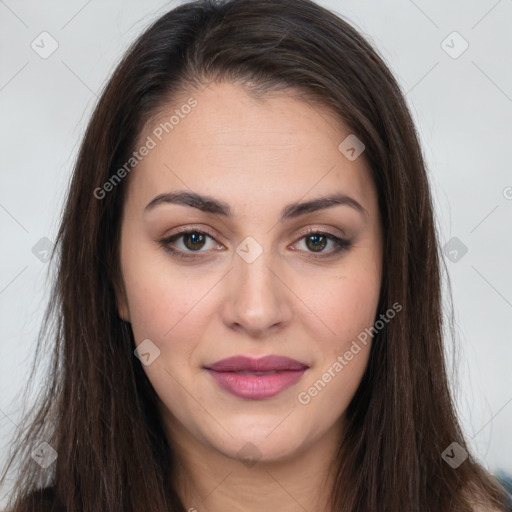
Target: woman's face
{"type": "Point", "coordinates": [250, 280]}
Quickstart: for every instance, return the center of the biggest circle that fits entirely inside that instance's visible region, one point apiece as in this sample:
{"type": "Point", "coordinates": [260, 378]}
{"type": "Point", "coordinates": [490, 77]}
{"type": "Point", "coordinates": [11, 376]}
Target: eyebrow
{"type": "Point", "coordinates": [214, 206]}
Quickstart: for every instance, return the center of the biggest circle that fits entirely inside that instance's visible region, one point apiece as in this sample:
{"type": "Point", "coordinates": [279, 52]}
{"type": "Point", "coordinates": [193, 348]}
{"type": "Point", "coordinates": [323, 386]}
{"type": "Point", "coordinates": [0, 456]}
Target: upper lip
{"type": "Point", "coordinates": [266, 363]}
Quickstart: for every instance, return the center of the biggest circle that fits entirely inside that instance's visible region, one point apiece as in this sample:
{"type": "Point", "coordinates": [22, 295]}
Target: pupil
{"type": "Point", "coordinates": [316, 239]}
{"type": "Point", "coordinates": [196, 238]}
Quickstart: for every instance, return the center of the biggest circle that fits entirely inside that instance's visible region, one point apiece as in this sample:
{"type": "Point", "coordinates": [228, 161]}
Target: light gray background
{"type": "Point", "coordinates": [463, 110]}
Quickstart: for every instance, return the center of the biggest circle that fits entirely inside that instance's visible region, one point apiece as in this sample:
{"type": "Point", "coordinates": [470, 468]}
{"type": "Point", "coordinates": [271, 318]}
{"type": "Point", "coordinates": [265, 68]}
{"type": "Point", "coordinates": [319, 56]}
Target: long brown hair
{"type": "Point", "coordinates": [99, 409]}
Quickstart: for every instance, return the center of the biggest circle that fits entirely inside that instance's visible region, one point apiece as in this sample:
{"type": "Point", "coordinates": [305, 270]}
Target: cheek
{"type": "Point", "coordinates": [341, 304]}
{"type": "Point", "coordinates": [342, 356]}
{"type": "Point", "coordinates": [345, 305]}
{"type": "Point", "coordinates": [173, 313]}
{"type": "Point", "coordinates": [162, 297]}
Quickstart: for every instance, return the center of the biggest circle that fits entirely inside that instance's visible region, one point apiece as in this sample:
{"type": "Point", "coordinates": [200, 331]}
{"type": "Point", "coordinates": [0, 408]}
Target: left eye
{"type": "Point", "coordinates": [193, 241]}
{"type": "Point", "coordinates": [317, 241]}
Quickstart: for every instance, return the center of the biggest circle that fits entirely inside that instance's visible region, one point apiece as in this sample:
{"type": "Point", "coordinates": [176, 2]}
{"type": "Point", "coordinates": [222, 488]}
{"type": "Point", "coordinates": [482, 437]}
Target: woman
{"type": "Point", "coordinates": [248, 296]}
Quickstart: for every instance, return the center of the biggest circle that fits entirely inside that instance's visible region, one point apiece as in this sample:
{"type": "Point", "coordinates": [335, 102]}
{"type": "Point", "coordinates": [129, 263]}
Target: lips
{"type": "Point", "coordinates": [256, 379]}
{"type": "Point", "coordinates": [263, 364]}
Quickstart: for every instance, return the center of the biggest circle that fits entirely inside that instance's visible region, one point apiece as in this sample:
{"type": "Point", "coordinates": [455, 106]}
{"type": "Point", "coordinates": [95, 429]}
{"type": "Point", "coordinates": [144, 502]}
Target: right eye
{"type": "Point", "coordinates": [193, 241]}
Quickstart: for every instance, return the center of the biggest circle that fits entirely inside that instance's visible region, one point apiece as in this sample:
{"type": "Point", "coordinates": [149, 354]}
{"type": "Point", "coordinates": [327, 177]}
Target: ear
{"type": "Point", "coordinates": [122, 302]}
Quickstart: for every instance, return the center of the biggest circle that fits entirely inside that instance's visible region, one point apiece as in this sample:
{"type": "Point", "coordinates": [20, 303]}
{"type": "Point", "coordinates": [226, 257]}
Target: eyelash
{"type": "Point", "coordinates": [341, 244]}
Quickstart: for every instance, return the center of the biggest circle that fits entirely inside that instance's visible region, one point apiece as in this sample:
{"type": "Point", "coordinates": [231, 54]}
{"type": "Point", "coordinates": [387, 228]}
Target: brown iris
{"type": "Point", "coordinates": [319, 242]}
{"type": "Point", "coordinates": [197, 240]}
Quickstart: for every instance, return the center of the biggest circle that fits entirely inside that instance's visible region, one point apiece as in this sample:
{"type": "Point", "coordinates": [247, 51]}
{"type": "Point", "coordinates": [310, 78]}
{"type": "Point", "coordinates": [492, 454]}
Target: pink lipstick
{"type": "Point", "coordinates": [256, 379]}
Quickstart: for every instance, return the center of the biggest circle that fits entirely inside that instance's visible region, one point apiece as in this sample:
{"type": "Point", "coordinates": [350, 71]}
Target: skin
{"type": "Point", "coordinates": [257, 156]}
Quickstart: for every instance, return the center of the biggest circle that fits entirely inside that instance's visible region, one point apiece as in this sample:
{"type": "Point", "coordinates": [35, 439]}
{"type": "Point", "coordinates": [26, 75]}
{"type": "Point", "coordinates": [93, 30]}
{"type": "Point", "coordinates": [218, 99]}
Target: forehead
{"type": "Point", "coordinates": [238, 148]}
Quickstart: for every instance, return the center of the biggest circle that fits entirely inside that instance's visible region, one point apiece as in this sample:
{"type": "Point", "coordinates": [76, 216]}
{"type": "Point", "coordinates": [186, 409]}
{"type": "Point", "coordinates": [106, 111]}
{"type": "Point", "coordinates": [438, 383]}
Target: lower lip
{"type": "Point", "coordinates": [256, 387]}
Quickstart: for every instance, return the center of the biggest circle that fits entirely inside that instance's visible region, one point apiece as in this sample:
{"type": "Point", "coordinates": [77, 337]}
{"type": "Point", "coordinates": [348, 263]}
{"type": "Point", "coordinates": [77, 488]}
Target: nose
{"type": "Point", "coordinates": [258, 299]}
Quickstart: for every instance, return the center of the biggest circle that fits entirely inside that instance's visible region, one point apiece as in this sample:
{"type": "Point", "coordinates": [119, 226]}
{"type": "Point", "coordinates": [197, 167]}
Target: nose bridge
{"type": "Point", "coordinates": [258, 296]}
